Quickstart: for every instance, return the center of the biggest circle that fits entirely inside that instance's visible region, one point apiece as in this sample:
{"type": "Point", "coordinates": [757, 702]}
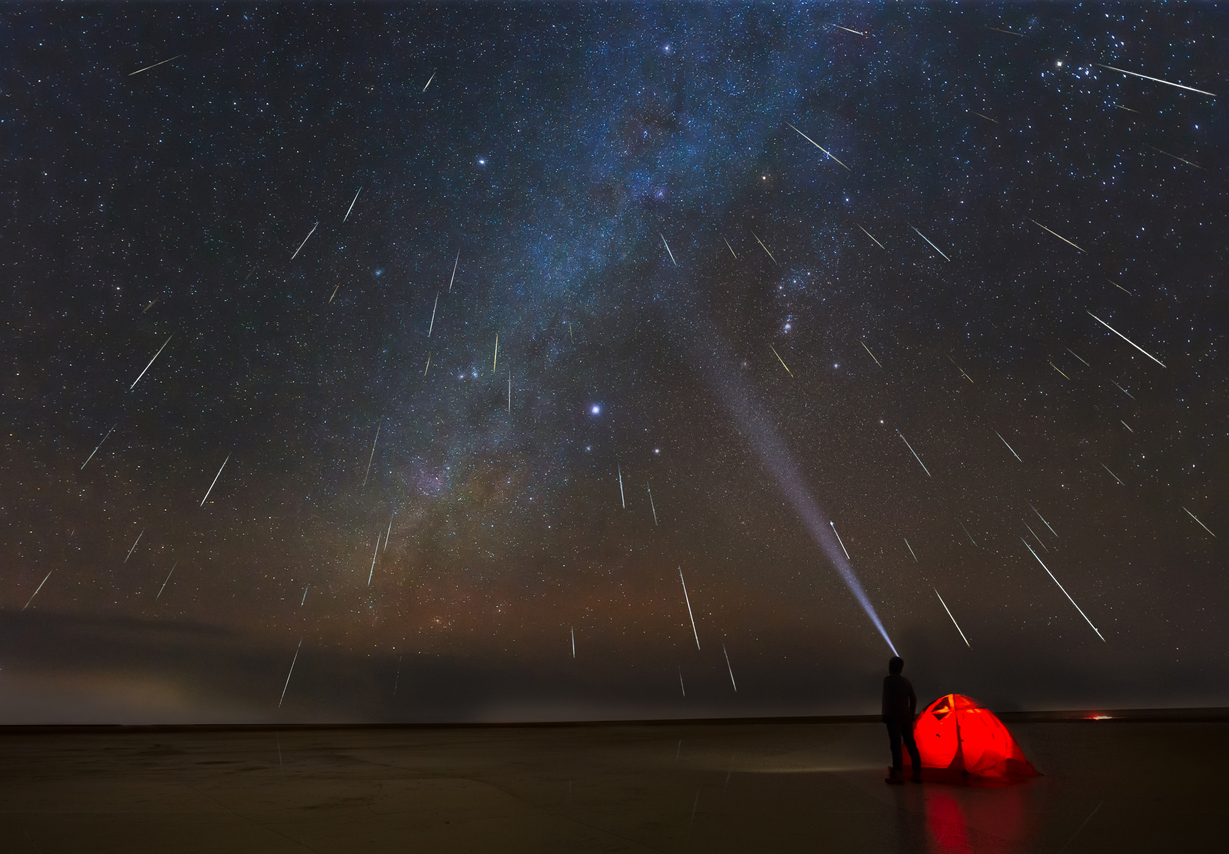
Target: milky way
{"type": "Point", "coordinates": [465, 328]}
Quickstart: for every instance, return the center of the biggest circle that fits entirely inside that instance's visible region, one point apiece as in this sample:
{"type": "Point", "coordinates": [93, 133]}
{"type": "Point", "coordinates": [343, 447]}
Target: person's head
{"type": "Point", "coordinates": [896, 665]}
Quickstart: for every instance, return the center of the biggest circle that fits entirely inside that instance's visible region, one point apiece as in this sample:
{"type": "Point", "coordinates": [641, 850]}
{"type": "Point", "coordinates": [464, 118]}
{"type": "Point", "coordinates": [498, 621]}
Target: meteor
{"type": "Point", "coordinates": [820, 147]}
{"type": "Point", "coordinates": [966, 376]}
{"type": "Point", "coordinates": [156, 64]}
{"type": "Point", "coordinates": [373, 452]}
{"type": "Point", "coordinates": [1196, 518]}
{"type": "Point", "coordinates": [573, 642]}
{"type": "Point", "coordinates": [1009, 447]}
{"type": "Point", "coordinates": [303, 601]}
{"type": "Point", "coordinates": [872, 237]}
{"type": "Point", "coordinates": [168, 578]}
{"type": "Point", "coordinates": [1125, 424]}
{"type": "Point", "coordinates": [151, 304]}
{"type": "Point", "coordinates": [839, 540]}
{"type": "Point", "coordinates": [1154, 79]}
{"type": "Point", "coordinates": [334, 294]}
{"type": "Point", "coordinates": [374, 554]}
{"type": "Point", "coordinates": [652, 506]}
{"type": "Point", "coordinates": [1124, 391]}
{"type": "Point", "coordinates": [455, 262]}
{"type": "Point", "coordinates": [1114, 476]}
{"type": "Point", "coordinates": [987, 118]}
{"type": "Point", "coordinates": [288, 675]}
{"type": "Point", "coordinates": [1042, 518]}
{"type": "Point", "coordinates": [763, 247]}
{"type": "Point", "coordinates": [352, 201]}
{"type": "Point", "coordinates": [40, 587]}
{"type": "Point", "coordinates": [93, 452]}
{"type": "Point", "coordinates": [932, 246]}
{"type": "Point", "coordinates": [846, 29]}
{"type": "Point", "coordinates": [1174, 156]}
{"type": "Point", "coordinates": [954, 623]}
{"type": "Point", "coordinates": [671, 254]}
{"type": "Point", "coordinates": [915, 456]}
{"type": "Point", "coordinates": [868, 351]}
{"type": "Point", "coordinates": [682, 687]}
{"type": "Point", "coordinates": [305, 239]}
{"type": "Point", "coordinates": [1120, 287]}
{"type": "Point", "coordinates": [732, 252]}
{"type": "Point", "coordinates": [433, 308]}
{"type": "Point", "coordinates": [1056, 234]}
{"type": "Point", "coordinates": [215, 481]}
{"type": "Point", "coordinates": [1055, 367]}
{"type": "Point", "coordinates": [622, 497]}
{"type": "Point", "coordinates": [686, 599]}
{"type": "Point", "coordinates": [1125, 338]}
{"type": "Point", "coordinates": [1060, 587]}
{"type": "Point", "coordinates": [495, 361]}
{"type": "Point", "coordinates": [388, 533]}
{"type": "Point", "coordinates": [1037, 538]}
{"type": "Point", "coordinates": [151, 361]}
{"type": "Point", "coordinates": [429, 79]}
{"type": "Point", "coordinates": [1009, 32]}
{"type": "Point", "coordinates": [729, 668]}
{"type": "Point", "coordinates": [967, 534]}
{"type": "Point", "coordinates": [428, 367]}
{"type": "Point", "coordinates": [509, 392]}
{"type": "Point", "coordinates": [1073, 353]}
{"type": "Point", "coordinates": [910, 548]}
{"type": "Point", "coordinates": [782, 361]}
{"type": "Point", "coordinates": [134, 545]}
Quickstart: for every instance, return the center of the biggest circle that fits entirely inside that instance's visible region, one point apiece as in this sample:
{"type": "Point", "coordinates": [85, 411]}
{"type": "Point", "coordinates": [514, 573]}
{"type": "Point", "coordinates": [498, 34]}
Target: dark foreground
{"type": "Point", "coordinates": [1108, 786]}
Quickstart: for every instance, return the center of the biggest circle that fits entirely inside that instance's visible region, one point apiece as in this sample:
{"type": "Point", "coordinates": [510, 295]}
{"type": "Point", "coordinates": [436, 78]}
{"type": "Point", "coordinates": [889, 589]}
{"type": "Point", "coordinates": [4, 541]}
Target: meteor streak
{"type": "Point", "coordinates": [1125, 338]}
{"type": "Point", "coordinates": [729, 668]}
{"type": "Point", "coordinates": [954, 623]}
{"type": "Point", "coordinates": [732, 252]}
{"type": "Point", "coordinates": [1056, 234]}
{"type": "Point", "coordinates": [1060, 587]}
{"type": "Point", "coordinates": [1120, 287]}
{"type": "Point", "coordinates": [966, 376]}
{"type": "Point", "coordinates": [388, 533]}
{"type": "Point", "coordinates": [846, 29]}
{"type": "Point", "coordinates": [428, 367]}
{"type": "Point", "coordinates": [987, 118]}
{"type": "Point", "coordinates": [433, 308]}
{"type": "Point", "coordinates": [839, 540]}
{"type": "Point", "coordinates": [573, 642]}
{"type": "Point", "coordinates": [1196, 518]}
{"type": "Point", "coordinates": [682, 687]}
{"type": "Point", "coordinates": [686, 599]}
{"type": "Point", "coordinates": [93, 452]}
{"type": "Point", "coordinates": [303, 601]}
{"type": "Point", "coordinates": [156, 64]}
{"type": "Point", "coordinates": [455, 262]}
{"type": "Point", "coordinates": [1114, 476]}
{"type": "Point", "coordinates": [305, 239]}
{"type": "Point", "coordinates": [915, 456]}
{"type": "Point", "coordinates": [820, 147]}
{"type": "Point", "coordinates": [1124, 391]}
{"type": "Point", "coordinates": [1009, 32]}
{"type": "Point", "coordinates": [779, 359]}
{"type": "Point", "coordinates": [762, 246]}
{"type": "Point", "coordinates": [1042, 518]}
{"type": "Point", "coordinates": [868, 351]}
{"type": "Point", "coordinates": [932, 246]}
{"type": "Point", "coordinates": [352, 201]}
{"type": "Point", "coordinates": [1009, 447]}
{"type": "Point", "coordinates": [495, 361]}
{"type": "Point", "coordinates": [1154, 79]}
{"type": "Point", "coordinates": [622, 498]}
{"type": "Point", "coordinates": [215, 481]}
{"type": "Point", "coordinates": [292, 661]}
{"type": "Point", "coordinates": [652, 506]}
{"type": "Point", "coordinates": [334, 294]}
{"type": "Point", "coordinates": [168, 578]}
{"type": "Point", "coordinates": [1174, 156]}
{"type": "Point", "coordinates": [1073, 353]}
{"type": "Point", "coordinates": [40, 587]}
{"type": "Point", "coordinates": [671, 254]}
{"type": "Point", "coordinates": [1055, 367]}
{"type": "Point", "coordinates": [1037, 538]}
{"type": "Point", "coordinates": [910, 548]}
{"type": "Point", "coordinates": [1125, 424]}
{"type": "Point", "coordinates": [372, 571]}
{"type": "Point", "coordinates": [151, 361]}
{"type": "Point", "coordinates": [872, 237]}
{"type": "Point", "coordinates": [967, 534]}
{"type": "Point", "coordinates": [134, 545]}
{"type": "Point", "coordinates": [379, 427]}
{"type": "Point", "coordinates": [429, 79]}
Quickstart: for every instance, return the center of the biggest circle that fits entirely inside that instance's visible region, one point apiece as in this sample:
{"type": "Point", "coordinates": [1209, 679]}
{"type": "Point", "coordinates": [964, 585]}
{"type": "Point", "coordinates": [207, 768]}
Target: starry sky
{"type": "Point", "coordinates": [376, 363]}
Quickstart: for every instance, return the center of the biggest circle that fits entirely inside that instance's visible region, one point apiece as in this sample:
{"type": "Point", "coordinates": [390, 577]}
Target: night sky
{"type": "Point", "coordinates": [721, 345]}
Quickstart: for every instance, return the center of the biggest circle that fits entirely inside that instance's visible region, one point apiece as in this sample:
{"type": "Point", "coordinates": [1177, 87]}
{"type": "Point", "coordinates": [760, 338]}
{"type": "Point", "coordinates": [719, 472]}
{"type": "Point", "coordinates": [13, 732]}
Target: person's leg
{"type": "Point", "coordinates": [894, 735]}
{"type": "Point", "coordinates": [911, 745]}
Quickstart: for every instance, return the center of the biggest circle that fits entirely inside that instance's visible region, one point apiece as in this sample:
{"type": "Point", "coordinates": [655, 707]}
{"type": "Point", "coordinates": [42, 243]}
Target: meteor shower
{"type": "Point", "coordinates": [476, 426]}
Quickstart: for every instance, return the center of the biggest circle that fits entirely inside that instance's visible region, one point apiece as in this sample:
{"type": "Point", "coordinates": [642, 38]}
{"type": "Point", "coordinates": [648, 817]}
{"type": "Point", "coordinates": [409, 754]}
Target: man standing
{"type": "Point", "coordinates": [899, 708]}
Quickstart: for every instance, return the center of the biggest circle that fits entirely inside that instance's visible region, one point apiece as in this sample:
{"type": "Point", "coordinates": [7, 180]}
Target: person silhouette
{"type": "Point", "coordinates": [899, 709]}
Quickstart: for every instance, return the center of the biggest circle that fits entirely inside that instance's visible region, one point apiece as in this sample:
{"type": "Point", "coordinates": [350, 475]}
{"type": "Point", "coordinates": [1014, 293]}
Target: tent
{"type": "Point", "coordinates": [960, 740]}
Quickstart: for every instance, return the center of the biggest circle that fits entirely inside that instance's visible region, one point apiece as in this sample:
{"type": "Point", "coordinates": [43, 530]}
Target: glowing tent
{"type": "Point", "coordinates": [963, 740]}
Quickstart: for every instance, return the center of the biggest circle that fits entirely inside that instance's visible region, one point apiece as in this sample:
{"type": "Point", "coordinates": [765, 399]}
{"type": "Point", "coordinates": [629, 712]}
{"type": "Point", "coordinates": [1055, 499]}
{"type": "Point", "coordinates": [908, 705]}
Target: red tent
{"type": "Point", "coordinates": [964, 740]}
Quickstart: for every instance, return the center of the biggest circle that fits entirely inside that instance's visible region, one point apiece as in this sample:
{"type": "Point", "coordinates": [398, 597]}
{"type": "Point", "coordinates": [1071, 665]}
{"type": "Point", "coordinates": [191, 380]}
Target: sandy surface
{"type": "Point", "coordinates": [1109, 787]}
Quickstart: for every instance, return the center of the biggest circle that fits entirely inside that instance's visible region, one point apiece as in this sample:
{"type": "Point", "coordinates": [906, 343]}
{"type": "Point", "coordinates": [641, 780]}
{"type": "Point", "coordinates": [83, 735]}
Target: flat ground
{"type": "Point", "coordinates": [1108, 786]}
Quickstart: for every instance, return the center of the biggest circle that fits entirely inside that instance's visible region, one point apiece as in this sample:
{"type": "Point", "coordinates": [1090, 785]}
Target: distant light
{"type": "Point", "coordinates": [836, 365]}
{"type": "Point", "coordinates": [1101, 718]}
{"type": "Point", "coordinates": [596, 410]}
{"type": "Point", "coordinates": [482, 161]}
{"type": "Point", "coordinates": [1060, 63]}
{"type": "Point", "coordinates": [657, 450]}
